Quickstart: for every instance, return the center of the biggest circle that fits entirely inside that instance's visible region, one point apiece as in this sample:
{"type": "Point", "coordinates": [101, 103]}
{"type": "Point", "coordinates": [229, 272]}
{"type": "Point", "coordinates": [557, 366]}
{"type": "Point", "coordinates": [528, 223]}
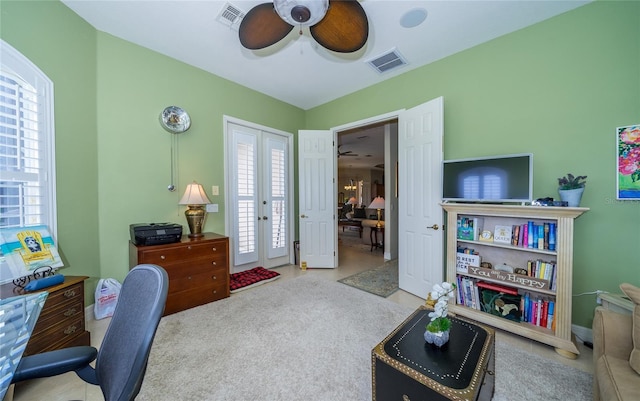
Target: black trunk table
{"type": "Point", "coordinates": [406, 368]}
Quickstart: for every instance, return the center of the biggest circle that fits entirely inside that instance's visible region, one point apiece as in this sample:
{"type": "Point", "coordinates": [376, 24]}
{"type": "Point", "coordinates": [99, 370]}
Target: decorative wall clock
{"type": "Point", "coordinates": [176, 121]}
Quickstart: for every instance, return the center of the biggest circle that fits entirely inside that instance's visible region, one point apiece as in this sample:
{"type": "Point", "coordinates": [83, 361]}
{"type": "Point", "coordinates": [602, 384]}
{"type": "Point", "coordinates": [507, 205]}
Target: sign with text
{"type": "Point", "coordinates": [520, 280]}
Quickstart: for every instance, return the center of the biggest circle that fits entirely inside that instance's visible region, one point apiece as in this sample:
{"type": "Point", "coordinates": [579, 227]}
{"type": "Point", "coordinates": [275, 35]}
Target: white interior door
{"type": "Point", "coordinates": [420, 236]}
{"type": "Point", "coordinates": [316, 199]}
{"type": "Point", "coordinates": [259, 215]}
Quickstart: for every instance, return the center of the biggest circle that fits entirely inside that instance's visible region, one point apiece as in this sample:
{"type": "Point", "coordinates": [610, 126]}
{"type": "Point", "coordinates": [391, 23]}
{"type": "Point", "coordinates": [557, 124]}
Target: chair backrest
{"type": "Point", "coordinates": [122, 358]}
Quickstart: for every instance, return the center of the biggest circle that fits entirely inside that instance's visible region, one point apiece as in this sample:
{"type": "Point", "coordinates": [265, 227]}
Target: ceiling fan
{"type": "Point", "coordinates": [347, 153]}
{"type": "Point", "coordinates": [338, 25]}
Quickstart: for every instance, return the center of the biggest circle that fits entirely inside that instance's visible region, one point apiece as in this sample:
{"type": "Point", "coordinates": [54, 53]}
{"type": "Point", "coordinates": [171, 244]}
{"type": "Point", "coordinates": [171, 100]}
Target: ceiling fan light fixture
{"type": "Point", "coordinates": [301, 12]}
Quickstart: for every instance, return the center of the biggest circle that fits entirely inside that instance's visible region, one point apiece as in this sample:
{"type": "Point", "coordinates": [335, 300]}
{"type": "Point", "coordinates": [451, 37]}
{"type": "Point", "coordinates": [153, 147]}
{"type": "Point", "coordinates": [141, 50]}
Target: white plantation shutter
{"type": "Point", "coordinates": [277, 180]}
{"type": "Point", "coordinates": [245, 180]}
{"type": "Point", "coordinates": [27, 185]}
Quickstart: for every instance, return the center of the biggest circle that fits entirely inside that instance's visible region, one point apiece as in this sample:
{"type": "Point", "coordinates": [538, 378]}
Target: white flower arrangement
{"type": "Point", "coordinates": [441, 294]}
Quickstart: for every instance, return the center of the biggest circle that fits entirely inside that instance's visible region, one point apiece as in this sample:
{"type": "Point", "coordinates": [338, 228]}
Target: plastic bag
{"type": "Point", "coordinates": [107, 293]}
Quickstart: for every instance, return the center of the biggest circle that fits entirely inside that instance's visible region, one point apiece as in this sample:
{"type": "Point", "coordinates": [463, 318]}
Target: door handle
{"type": "Point", "coordinates": [265, 218]}
{"type": "Point", "coordinates": [259, 218]}
{"type": "Point", "coordinates": [434, 227]}
{"type": "Point", "coordinates": [303, 216]}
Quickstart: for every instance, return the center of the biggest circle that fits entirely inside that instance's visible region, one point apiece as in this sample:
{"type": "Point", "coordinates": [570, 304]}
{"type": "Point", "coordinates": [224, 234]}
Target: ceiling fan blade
{"type": "Point", "coordinates": [262, 27]}
{"type": "Point", "coordinates": [344, 29]}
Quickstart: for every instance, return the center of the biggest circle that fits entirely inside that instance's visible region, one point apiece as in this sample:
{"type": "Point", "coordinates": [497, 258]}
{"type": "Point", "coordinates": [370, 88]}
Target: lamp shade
{"type": "Point", "coordinates": [194, 195]}
{"type": "Point", "coordinates": [352, 201]}
{"type": "Point", "coordinates": [301, 12]}
{"type": "Point", "coordinates": [377, 203]}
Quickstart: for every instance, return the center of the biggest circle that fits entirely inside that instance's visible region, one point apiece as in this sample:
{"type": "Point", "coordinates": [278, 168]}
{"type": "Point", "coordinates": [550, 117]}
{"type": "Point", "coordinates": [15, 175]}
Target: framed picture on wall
{"type": "Point", "coordinates": [628, 163]}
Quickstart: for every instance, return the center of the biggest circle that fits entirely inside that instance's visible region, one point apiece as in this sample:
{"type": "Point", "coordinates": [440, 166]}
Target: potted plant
{"type": "Point", "coordinates": [570, 188]}
{"type": "Point", "coordinates": [438, 328]}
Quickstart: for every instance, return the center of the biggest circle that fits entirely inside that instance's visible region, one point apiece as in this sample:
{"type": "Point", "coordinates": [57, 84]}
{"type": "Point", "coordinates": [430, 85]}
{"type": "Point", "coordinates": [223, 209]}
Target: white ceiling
{"type": "Point", "coordinates": [297, 70]}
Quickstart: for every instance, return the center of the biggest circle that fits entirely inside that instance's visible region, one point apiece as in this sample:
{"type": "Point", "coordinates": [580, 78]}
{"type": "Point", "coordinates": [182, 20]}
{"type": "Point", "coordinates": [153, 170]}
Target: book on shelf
{"type": "Point", "coordinates": [469, 228]}
{"type": "Point", "coordinates": [497, 287]}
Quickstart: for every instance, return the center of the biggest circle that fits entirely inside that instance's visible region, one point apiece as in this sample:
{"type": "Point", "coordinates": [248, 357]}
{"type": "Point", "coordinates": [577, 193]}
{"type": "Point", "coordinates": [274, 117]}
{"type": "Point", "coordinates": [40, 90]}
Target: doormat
{"type": "Point", "coordinates": [381, 280]}
{"type": "Point", "coordinates": [251, 278]}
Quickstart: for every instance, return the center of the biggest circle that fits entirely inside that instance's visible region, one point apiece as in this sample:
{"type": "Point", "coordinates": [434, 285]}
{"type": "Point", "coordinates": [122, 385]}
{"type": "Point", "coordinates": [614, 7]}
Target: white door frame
{"type": "Point", "coordinates": [388, 190]}
{"type": "Point", "coordinates": [228, 231]}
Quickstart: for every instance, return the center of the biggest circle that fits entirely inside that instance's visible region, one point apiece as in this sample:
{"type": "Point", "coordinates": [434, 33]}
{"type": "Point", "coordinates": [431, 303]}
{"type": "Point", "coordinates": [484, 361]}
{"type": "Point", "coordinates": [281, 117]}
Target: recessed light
{"type": "Point", "coordinates": [413, 18]}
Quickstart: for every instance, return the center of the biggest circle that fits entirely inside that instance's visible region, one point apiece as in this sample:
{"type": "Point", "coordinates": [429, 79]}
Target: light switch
{"type": "Point", "coordinates": [212, 208]}
{"type": "Point", "coordinates": [215, 190]}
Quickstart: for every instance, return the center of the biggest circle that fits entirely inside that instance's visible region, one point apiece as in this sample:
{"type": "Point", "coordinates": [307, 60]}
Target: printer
{"type": "Point", "coordinates": [155, 233]}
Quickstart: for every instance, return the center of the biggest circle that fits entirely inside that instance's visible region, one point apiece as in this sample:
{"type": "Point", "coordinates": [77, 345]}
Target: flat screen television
{"type": "Point", "coordinates": [495, 179]}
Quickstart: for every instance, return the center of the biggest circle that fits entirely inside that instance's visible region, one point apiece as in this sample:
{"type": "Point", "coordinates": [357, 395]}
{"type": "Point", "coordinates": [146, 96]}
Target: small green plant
{"type": "Point", "coordinates": [440, 295]}
{"type": "Point", "coordinates": [571, 182]}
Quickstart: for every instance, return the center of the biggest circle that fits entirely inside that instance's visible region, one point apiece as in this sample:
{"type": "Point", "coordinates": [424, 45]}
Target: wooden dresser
{"type": "Point", "coordinates": [61, 323]}
{"type": "Point", "coordinates": [198, 269]}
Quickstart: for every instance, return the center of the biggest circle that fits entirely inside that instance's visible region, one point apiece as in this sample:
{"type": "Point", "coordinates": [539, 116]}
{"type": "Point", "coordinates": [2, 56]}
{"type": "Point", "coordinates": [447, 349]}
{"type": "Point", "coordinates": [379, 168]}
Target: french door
{"type": "Point", "coordinates": [258, 181]}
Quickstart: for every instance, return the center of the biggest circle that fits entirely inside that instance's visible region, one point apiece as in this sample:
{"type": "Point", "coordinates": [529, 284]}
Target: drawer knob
{"type": "Point", "coordinates": [189, 247]}
{"type": "Point", "coordinates": [215, 291]}
{"type": "Point", "coordinates": [70, 312]}
{"type": "Point", "coordinates": [70, 330]}
{"type": "Point", "coordinates": [214, 249]}
{"type": "Point", "coordinates": [214, 277]}
{"type": "Point", "coordinates": [214, 263]}
{"type": "Point", "coordinates": [69, 293]}
{"type": "Point", "coordinates": [162, 257]}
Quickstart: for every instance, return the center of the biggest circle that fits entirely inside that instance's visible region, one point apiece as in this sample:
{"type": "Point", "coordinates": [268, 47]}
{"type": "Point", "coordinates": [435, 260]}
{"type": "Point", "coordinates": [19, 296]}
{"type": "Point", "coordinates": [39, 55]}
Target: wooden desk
{"type": "Point", "coordinates": [351, 223]}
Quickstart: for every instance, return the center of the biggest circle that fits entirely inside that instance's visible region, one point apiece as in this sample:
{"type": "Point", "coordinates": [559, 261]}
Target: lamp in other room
{"type": "Point", "coordinates": [378, 204]}
{"type": "Point", "coordinates": [195, 198]}
{"type": "Point", "coordinates": [352, 201]}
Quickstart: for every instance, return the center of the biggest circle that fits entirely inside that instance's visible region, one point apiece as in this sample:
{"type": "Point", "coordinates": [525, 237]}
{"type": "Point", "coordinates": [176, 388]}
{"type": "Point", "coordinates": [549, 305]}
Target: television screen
{"type": "Point", "coordinates": [496, 179]}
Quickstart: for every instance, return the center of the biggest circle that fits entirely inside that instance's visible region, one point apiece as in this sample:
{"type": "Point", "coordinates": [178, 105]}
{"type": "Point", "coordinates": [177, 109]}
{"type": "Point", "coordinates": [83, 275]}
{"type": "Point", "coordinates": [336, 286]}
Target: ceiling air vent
{"type": "Point", "coordinates": [230, 16]}
{"type": "Point", "coordinates": [387, 61]}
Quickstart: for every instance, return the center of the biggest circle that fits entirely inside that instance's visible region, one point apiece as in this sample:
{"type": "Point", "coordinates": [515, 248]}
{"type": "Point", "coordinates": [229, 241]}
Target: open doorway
{"type": "Point", "coordinates": [367, 169]}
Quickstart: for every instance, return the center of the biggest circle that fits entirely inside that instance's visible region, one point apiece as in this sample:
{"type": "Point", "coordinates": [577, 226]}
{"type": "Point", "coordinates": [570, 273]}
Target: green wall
{"type": "Point", "coordinates": [134, 163]}
{"type": "Point", "coordinates": [63, 46]}
{"type": "Point", "coordinates": [557, 89]}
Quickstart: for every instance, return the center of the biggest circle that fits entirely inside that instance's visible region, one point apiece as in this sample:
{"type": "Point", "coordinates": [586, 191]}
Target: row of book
{"type": "Point", "coordinates": [543, 270]}
{"type": "Point", "coordinates": [531, 235]}
{"type": "Point", "coordinates": [505, 302]}
{"type": "Point", "coordinates": [538, 311]}
{"type": "Point", "coordinates": [527, 235]}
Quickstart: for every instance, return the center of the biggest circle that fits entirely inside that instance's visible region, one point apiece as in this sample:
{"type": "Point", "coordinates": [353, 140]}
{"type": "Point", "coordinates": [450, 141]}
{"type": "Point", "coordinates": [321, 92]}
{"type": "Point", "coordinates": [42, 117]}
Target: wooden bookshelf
{"type": "Point", "coordinates": [561, 338]}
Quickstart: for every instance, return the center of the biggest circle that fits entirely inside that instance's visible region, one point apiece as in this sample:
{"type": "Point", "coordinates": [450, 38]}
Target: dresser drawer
{"type": "Point", "coordinates": [53, 336]}
{"type": "Point", "coordinates": [182, 300]}
{"type": "Point", "coordinates": [181, 253]}
{"type": "Point", "coordinates": [198, 275]}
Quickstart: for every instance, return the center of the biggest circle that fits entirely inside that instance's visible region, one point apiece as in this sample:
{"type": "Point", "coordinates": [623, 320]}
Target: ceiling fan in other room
{"type": "Point", "coordinates": [338, 25]}
{"type": "Point", "coordinates": [347, 153]}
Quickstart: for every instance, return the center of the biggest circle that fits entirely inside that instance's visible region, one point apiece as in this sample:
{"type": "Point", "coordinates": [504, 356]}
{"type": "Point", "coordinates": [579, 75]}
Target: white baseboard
{"type": "Point", "coordinates": [88, 314]}
{"type": "Point", "coordinates": [582, 333]}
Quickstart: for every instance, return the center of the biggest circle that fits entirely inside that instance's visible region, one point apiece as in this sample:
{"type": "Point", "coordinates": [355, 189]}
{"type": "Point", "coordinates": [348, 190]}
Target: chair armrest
{"type": "Point", "coordinates": [611, 334]}
{"type": "Point", "coordinates": [53, 363]}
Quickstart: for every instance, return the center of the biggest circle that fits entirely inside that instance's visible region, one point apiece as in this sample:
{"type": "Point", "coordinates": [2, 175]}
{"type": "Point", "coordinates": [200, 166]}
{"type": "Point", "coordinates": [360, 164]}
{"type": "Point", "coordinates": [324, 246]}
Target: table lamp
{"type": "Point", "coordinates": [378, 204]}
{"type": "Point", "coordinates": [195, 198]}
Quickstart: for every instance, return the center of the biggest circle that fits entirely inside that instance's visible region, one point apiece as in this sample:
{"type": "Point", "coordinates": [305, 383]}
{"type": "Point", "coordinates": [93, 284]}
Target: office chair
{"type": "Point", "coordinates": [122, 359]}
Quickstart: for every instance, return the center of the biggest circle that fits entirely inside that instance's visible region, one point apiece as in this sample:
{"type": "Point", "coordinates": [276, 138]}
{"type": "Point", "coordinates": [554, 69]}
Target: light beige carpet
{"type": "Point", "coordinates": [308, 339]}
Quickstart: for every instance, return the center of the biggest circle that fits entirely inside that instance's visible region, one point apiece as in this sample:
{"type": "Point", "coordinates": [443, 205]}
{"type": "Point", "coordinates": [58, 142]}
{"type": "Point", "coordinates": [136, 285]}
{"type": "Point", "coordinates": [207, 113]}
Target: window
{"type": "Point", "coordinates": [27, 172]}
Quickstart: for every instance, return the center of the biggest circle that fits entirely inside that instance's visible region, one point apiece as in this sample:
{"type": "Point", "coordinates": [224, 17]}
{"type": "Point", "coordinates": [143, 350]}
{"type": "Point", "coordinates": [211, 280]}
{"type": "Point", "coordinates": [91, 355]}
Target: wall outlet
{"type": "Point", "coordinates": [212, 208]}
{"type": "Point", "coordinates": [215, 190]}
